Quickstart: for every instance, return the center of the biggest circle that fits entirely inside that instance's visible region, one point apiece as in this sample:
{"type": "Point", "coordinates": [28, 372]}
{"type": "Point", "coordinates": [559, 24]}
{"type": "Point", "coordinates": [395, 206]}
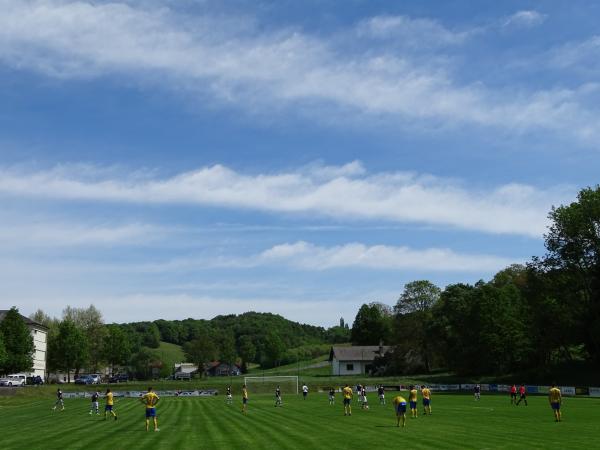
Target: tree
{"type": "Point", "coordinates": [18, 343]}
{"type": "Point", "coordinates": [227, 351]}
{"type": "Point", "coordinates": [42, 318]}
{"type": "Point", "coordinates": [200, 351]}
{"type": "Point", "coordinates": [117, 346]}
{"type": "Point", "coordinates": [69, 350]}
{"type": "Point", "coordinates": [90, 321]}
{"type": "Point", "coordinates": [247, 349]}
{"type": "Point", "coordinates": [151, 336]}
{"type": "Point", "coordinates": [3, 354]}
{"type": "Point", "coordinates": [418, 296]}
{"type": "Point", "coordinates": [414, 308]}
{"type": "Point", "coordinates": [573, 243]}
{"type": "Point", "coordinates": [371, 325]}
{"type": "Point", "coordinates": [273, 350]}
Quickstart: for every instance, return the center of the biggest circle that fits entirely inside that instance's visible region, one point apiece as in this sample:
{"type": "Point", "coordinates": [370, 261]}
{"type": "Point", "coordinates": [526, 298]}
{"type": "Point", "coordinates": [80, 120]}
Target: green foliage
{"type": "Point", "coordinates": [118, 346]}
{"type": "Point", "coordinates": [226, 347]}
{"type": "Point", "coordinates": [247, 349]}
{"type": "Point", "coordinates": [18, 343]}
{"type": "Point", "coordinates": [68, 350]}
{"type": "Point", "coordinates": [272, 350]}
{"type": "Point", "coordinates": [372, 325]}
{"type": "Point", "coordinates": [3, 354]}
{"type": "Point", "coordinates": [90, 321]}
{"type": "Point", "coordinates": [201, 351]}
{"type": "Point", "coordinates": [573, 244]}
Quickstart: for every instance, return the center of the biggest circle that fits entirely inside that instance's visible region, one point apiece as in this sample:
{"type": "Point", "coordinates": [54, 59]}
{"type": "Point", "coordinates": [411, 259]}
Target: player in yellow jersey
{"type": "Point", "coordinates": [555, 398]}
{"type": "Point", "coordinates": [400, 407]}
{"type": "Point", "coordinates": [347, 393]}
{"type": "Point", "coordinates": [109, 405]}
{"type": "Point", "coordinates": [244, 399]}
{"type": "Point", "coordinates": [412, 398]}
{"type": "Point", "coordinates": [150, 399]}
{"type": "Point", "coordinates": [426, 393]}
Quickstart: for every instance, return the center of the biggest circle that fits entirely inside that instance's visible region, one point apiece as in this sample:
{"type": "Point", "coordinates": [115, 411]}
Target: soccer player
{"type": "Point", "coordinates": [412, 398]}
{"type": "Point", "coordinates": [426, 393]}
{"type": "Point", "coordinates": [400, 407]}
{"type": "Point", "coordinates": [59, 400]}
{"type": "Point", "coordinates": [347, 393]}
{"type": "Point", "coordinates": [381, 393]}
{"type": "Point", "coordinates": [109, 405]}
{"type": "Point", "coordinates": [477, 392]}
{"type": "Point", "coordinates": [278, 401]}
{"type": "Point", "coordinates": [229, 398]}
{"type": "Point", "coordinates": [522, 394]}
{"type": "Point", "coordinates": [331, 396]}
{"type": "Point", "coordinates": [365, 402]}
{"type": "Point", "coordinates": [513, 395]}
{"type": "Point", "coordinates": [94, 407]}
{"type": "Point", "coordinates": [359, 392]}
{"type": "Point", "coordinates": [244, 399]}
{"type": "Point", "coordinates": [304, 391]}
{"type": "Point", "coordinates": [150, 399]}
{"type": "Point", "coordinates": [555, 398]}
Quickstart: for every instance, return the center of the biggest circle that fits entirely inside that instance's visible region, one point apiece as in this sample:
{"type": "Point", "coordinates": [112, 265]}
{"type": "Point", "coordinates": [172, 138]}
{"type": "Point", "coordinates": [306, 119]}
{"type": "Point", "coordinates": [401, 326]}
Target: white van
{"type": "Point", "coordinates": [15, 379]}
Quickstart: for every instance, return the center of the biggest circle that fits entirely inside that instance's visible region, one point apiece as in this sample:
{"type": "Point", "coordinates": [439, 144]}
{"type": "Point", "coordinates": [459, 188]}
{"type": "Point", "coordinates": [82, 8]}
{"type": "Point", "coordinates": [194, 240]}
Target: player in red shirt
{"type": "Point", "coordinates": [513, 395]}
{"type": "Point", "coordinates": [522, 394]}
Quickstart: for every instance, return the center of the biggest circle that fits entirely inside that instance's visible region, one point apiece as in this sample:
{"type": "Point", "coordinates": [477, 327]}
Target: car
{"type": "Point", "coordinates": [119, 378]}
{"type": "Point", "coordinates": [85, 379]}
{"type": "Point", "coordinates": [96, 377]}
{"type": "Point", "coordinates": [15, 379]}
{"type": "Point", "coordinates": [35, 380]}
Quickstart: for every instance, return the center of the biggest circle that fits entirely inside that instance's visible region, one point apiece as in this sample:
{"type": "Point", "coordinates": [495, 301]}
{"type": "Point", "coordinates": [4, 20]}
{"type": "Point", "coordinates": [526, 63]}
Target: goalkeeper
{"type": "Point", "coordinates": [150, 399]}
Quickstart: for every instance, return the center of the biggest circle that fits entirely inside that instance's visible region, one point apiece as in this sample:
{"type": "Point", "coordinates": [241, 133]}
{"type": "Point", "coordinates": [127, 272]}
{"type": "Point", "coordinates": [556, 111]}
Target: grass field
{"type": "Point", "coordinates": [207, 423]}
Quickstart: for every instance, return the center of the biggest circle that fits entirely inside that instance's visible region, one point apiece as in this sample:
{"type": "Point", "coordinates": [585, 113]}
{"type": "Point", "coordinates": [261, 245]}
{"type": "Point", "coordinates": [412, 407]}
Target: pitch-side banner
{"type": "Point", "coordinates": [595, 392]}
{"type": "Point", "coordinates": [137, 394]}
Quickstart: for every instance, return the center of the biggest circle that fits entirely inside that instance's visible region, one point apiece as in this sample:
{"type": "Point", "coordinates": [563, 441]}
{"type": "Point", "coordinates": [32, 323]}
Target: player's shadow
{"type": "Point", "coordinates": [386, 426]}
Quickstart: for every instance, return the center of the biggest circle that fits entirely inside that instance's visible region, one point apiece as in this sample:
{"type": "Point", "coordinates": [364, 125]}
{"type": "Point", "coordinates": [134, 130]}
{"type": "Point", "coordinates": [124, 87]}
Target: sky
{"type": "Point", "coordinates": [174, 159]}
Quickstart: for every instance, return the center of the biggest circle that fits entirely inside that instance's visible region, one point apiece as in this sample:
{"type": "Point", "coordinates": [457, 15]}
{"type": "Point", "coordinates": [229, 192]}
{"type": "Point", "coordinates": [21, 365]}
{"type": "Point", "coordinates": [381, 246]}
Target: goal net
{"type": "Point", "coordinates": [266, 385]}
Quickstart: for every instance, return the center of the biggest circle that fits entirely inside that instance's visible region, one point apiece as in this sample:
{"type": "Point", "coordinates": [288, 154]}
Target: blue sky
{"type": "Point", "coordinates": [173, 159]}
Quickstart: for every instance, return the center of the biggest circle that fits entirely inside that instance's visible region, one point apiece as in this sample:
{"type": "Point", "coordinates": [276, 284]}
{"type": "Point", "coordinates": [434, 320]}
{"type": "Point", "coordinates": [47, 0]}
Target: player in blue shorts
{"type": "Point", "coordinates": [400, 407]}
{"type": "Point", "coordinates": [150, 399]}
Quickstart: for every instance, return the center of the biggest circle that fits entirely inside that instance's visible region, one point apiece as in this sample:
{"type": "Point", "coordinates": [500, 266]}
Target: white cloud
{"type": "Point", "coordinates": [48, 234]}
{"type": "Point", "coordinates": [391, 196]}
{"type": "Point", "coordinates": [527, 18]}
{"type": "Point", "coordinates": [308, 256]}
{"type": "Point", "coordinates": [583, 56]}
{"type": "Point", "coordinates": [261, 70]}
{"type": "Point", "coordinates": [412, 32]}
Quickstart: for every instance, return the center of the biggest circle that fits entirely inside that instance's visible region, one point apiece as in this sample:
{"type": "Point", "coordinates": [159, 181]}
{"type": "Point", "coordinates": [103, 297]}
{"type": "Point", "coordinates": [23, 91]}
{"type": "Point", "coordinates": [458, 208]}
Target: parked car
{"type": "Point", "coordinates": [96, 377]}
{"type": "Point", "coordinates": [15, 379]}
{"type": "Point", "coordinates": [182, 376]}
{"type": "Point", "coordinates": [35, 380]}
{"type": "Point", "coordinates": [119, 378]}
{"type": "Point", "coordinates": [85, 379]}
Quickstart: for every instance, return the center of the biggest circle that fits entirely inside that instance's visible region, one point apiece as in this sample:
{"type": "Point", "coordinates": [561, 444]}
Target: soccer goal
{"type": "Point", "coordinates": [287, 384]}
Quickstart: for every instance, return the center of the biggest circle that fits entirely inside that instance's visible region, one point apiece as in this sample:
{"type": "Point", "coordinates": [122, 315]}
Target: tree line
{"type": "Point", "coordinates": [529, 316]}
{"type": "Point", "coordinates": [81, 341]}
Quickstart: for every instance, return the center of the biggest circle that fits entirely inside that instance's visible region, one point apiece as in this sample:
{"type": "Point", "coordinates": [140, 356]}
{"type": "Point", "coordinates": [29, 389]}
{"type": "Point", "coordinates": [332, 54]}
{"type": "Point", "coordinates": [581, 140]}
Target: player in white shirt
{"type": "Point", "coordinates": [304, 391]}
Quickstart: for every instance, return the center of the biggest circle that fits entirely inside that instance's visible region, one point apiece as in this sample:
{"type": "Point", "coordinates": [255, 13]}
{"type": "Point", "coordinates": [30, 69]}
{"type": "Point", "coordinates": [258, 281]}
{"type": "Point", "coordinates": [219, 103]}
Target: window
{"type": "Point", "coordinates": [350, 367]}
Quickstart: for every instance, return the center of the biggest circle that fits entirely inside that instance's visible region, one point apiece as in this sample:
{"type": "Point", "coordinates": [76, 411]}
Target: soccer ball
{"type": "Point", "coordinates": [366, 406]}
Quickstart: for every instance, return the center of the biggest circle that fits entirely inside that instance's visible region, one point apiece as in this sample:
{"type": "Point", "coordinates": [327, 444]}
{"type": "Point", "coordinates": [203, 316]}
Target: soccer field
{"type": "Point", "coordinates": [208, 423]}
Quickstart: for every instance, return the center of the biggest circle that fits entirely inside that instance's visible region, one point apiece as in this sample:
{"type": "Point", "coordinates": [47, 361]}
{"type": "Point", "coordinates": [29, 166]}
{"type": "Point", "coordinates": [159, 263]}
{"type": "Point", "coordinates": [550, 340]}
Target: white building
{"type": "Point", "coordinates": [355, 360]}
{"type": "Point", "coordinates": [40, 339]}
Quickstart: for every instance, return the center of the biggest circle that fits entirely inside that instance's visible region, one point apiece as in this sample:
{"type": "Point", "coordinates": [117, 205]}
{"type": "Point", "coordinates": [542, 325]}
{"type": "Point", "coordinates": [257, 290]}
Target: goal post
{"type": "Point", "coordinates": [266, 384]}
